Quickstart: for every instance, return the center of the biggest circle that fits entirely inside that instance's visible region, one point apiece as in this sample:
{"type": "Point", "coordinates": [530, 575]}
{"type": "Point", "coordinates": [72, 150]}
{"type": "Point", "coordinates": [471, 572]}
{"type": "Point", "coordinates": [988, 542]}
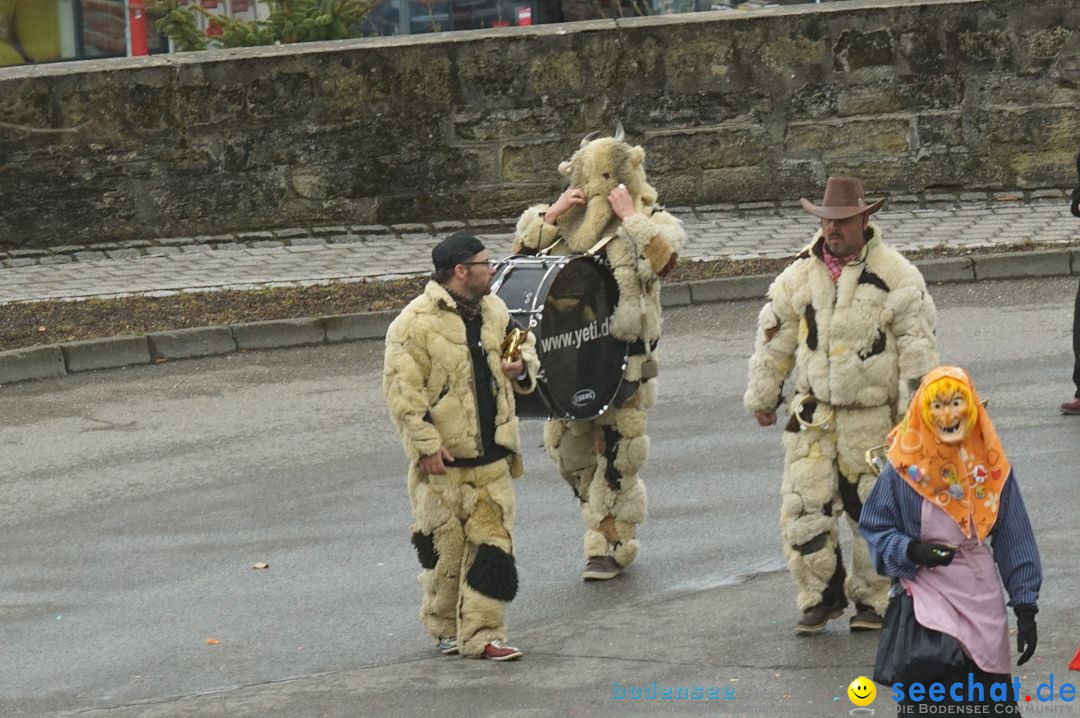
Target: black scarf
{"type": "Point", "coordinates": [468, 308]}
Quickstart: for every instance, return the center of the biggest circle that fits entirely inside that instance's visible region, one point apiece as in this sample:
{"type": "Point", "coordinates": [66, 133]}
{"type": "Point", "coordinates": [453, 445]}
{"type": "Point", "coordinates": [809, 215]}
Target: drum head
{"type": "Point", "coordinates": [582, 361]}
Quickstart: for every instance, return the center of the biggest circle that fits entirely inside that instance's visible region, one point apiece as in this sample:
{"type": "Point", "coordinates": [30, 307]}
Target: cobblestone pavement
{"type": "Point", "coordinates": [296, 257]}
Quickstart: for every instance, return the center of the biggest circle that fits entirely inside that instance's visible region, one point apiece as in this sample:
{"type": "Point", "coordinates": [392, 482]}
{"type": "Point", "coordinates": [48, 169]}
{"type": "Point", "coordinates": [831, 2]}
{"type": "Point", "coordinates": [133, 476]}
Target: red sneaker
{"type": "Point", "coordinates": [496, 651]}
{"type": "Point", "coordinates": [1071, 407]}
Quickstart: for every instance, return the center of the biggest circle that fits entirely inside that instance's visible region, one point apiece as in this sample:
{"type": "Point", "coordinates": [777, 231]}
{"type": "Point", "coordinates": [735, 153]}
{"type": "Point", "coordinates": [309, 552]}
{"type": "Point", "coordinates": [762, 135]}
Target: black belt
{"type": "Point", "coordinates": [495, 453]}
{"type": "Point", "coordinates": [638, 347]}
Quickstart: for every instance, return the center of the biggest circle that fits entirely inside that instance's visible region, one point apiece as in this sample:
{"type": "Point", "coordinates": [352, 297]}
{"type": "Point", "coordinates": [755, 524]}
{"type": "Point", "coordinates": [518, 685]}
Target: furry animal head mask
{"type": "Point", "coordinates": [597, 168]}
{"type": "Point", "coordinates": [601, 164]}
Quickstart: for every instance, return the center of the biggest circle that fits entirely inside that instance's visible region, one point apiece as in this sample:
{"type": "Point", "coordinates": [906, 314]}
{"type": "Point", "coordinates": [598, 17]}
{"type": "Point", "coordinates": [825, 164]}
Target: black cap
{"type": "Point", "coordinates": [458, 248]}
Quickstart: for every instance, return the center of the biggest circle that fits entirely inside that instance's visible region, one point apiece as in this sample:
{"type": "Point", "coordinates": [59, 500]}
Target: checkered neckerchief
{"type": "Point", "coordinates": [835, 265]}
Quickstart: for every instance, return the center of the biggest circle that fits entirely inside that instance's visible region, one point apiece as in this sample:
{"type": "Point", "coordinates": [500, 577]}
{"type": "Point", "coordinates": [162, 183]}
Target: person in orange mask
{"type": "Point", "coordinates": [946, 520]}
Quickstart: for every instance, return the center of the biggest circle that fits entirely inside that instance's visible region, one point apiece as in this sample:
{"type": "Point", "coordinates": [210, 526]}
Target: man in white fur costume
{"type": "Point", "coordinates": [450, 392]}
{"type": "Point", "coordinates": [610, 198]}
{"type": "Point", "coordinates": [854, 319]}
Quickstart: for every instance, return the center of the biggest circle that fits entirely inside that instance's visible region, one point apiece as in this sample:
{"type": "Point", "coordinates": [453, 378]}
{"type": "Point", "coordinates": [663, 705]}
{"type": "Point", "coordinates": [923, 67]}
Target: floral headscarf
{"type": "Point", "coordinates": [964, 479]}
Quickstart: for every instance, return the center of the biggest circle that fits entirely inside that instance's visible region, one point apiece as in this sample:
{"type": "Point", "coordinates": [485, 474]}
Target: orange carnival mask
{"type": "Point", "coordinates": [946, 448]}
{"type": "Point", "coordinates": [949, 409]}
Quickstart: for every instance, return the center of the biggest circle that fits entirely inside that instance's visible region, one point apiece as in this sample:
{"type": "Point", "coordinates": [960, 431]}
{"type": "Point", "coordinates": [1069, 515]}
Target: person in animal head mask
{"type": "Point", "coordinates": [946, 519]}
{"type": "Point", "coordinates": [852, 318]}
{"type": "Point", "coordinates": [610, 199]}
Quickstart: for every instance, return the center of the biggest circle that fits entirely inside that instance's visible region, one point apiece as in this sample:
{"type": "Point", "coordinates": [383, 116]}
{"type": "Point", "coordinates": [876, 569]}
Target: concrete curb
{"type": "Point", "coordinates": [730, 289]}
{"type": "Point", "coordinates": [279, 333]}
{"type": "Point", "coordinates": [948, 269]}
{"type": "Point", "coordinates": [43, 362]}
{"type": "Point", "coordinates": [107, 353]}
{"type": "Point", "coordinates": [191, 343]}
{"type": "Point", "coordinates": [54, 360]}
{"type": "Point", "coordinates": [1045, 263]}
{"type": "Point", "coordinates": [354, 327]}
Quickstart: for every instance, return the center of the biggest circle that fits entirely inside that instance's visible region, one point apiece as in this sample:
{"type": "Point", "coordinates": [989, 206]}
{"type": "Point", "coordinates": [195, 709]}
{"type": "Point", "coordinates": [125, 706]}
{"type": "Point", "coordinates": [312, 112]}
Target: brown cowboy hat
{"type": "Point", "coordinates": [843, 198]}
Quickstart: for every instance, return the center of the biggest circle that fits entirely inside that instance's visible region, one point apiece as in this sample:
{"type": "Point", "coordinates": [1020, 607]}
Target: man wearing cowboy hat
{"type": "Point", "coordinates": [854, 319]}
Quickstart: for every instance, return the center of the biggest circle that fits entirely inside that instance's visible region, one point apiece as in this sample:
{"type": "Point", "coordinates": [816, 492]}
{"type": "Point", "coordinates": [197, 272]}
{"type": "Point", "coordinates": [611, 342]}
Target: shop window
{"type": "Point", "coordinates": [103, 28]}
{"type": "Point", "coordinates": [420, 16]}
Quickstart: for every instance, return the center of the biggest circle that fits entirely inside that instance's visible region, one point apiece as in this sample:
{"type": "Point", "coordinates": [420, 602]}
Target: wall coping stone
{"type": "Point", "coordinates": [208, 57]}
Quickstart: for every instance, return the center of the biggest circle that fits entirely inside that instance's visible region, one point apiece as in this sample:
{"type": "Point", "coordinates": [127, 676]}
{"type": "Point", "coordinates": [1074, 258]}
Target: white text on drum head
{"type": "Point", "coordinates": [576, 337]}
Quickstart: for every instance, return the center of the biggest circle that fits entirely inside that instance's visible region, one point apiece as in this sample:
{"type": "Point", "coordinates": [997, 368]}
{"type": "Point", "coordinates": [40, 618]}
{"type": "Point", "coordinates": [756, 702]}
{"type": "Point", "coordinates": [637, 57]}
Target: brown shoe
{"type": "Point", "coordinates": [814, 619]}
{"type": "Point", "coordinates": [865, 619]}
{"type": "Point", "coordinates": [1071, 407]}
{"type": "Point", "coordinates": [601, 568]}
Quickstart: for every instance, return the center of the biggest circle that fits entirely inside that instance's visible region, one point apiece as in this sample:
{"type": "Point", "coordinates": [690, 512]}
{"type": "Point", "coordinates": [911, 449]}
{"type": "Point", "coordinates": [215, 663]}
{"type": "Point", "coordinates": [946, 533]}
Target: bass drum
{"type": "Point", "coordinates": [568, 302]}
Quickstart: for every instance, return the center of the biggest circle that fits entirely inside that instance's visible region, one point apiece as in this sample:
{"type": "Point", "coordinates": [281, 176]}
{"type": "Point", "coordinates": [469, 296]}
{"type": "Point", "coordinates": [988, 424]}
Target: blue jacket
{"type": "Point", "coordinates": [891, 518]}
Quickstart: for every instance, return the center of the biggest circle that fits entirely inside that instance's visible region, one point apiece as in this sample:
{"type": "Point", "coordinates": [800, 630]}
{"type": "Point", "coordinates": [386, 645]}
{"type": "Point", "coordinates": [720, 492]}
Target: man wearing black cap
{"type": "Point", "coordinates": [450, 393]}
{"type": "Point", "coordinates": [853, 318]}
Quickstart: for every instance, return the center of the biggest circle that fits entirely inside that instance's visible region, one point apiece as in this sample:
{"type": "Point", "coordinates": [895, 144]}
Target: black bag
{"type": "Point", "coordinates": [908, 651]}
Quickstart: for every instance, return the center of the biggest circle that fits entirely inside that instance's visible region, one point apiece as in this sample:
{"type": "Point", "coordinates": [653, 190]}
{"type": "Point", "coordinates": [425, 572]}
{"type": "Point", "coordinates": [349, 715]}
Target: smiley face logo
{"type": "Point", "coordinates": [862, 691]}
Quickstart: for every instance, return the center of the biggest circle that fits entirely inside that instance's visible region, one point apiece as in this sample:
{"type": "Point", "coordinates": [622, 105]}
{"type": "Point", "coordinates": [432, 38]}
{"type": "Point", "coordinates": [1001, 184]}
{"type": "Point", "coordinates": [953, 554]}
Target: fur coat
{"type": "Point", "coordinates": [428, 377]}
{"type": "Point", "coordinates": [863, 341]}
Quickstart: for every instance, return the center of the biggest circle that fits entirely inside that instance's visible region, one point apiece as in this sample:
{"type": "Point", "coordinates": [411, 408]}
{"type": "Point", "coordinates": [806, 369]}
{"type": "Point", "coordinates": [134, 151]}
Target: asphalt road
{"type": "Point", "coordinates": [134, 503]}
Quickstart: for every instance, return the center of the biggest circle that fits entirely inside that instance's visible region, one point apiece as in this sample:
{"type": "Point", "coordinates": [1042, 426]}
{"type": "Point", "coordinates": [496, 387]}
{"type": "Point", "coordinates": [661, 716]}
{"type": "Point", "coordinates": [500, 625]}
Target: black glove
{"type": "Point", "coordinates": [1027, 636]}
{"type": "Point", "coordinates": [930, 554]}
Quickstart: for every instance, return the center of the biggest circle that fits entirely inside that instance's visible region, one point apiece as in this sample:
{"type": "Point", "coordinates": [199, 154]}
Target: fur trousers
{"type": "Point", "coordinates": [826, 475]}
{"type": "Point", "coordinates": [463, 522]}
{"type": "Point", "coordinates": [601, 459]}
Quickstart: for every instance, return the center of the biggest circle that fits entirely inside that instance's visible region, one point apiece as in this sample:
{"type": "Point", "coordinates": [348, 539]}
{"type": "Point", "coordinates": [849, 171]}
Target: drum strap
{"type": "Point", "coordinates": [599, 246]}
{"type": "Point", "coordinates": [591, 252]}
{"type": "Point", "coordinates": [544, 252]}
{"type": "Point", "coordinates": [626, 390]}
{"type": "Point", "coordinates": [649, 368]}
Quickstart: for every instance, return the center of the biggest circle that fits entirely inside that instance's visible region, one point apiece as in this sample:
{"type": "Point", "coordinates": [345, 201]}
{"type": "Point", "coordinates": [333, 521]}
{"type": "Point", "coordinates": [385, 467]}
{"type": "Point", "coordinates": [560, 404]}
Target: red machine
{"type": "Point", "coordinates": [137, 27]}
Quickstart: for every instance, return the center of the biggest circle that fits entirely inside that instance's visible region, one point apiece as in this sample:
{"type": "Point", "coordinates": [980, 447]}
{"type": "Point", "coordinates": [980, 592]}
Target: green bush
{"type": "Point", "coordinates": [289, 21]}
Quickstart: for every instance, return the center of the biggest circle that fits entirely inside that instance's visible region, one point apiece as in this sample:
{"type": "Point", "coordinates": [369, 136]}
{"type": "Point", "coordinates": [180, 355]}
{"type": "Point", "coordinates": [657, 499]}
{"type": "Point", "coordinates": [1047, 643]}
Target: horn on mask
{"type": "Point", "coordinates": [620, 135]}
{"type": "Point", "coordinates": [588, 138]}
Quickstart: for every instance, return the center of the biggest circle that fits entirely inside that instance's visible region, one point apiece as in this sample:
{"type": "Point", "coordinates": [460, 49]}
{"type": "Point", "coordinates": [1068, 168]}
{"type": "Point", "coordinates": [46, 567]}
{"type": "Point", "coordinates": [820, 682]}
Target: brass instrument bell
{"type": "Point", "coordinates": [511, 344]}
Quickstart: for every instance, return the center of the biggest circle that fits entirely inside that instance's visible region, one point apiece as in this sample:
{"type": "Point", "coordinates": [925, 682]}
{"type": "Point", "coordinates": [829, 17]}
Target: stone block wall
{"type": "Point", "coordinates": [738, 106]}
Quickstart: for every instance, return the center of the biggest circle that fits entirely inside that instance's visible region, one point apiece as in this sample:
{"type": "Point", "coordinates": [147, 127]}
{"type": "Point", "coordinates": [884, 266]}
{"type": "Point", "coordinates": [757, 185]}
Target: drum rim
{"type": "Point", "coordinates": [552, 265]}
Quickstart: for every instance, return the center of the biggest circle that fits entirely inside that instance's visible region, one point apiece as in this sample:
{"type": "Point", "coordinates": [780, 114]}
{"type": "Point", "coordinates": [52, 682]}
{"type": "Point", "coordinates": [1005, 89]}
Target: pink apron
{"type": "Point", "coordinates": [964, 599]}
